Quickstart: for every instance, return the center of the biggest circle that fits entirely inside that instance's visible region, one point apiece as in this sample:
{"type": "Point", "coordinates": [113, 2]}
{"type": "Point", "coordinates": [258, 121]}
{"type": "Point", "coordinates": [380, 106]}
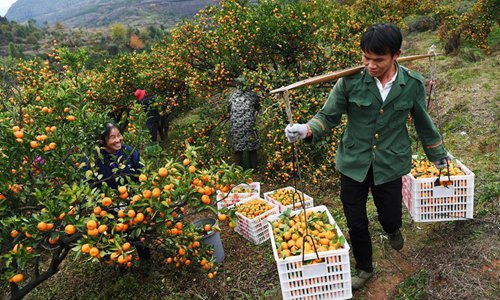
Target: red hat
{"type": "Point", "coordinates": [140, 94]}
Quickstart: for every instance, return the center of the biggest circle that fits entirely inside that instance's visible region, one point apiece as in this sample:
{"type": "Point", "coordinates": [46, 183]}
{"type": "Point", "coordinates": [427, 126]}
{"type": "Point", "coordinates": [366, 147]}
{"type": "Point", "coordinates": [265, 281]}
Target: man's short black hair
{"type": "Point", "coordinates": [382, 39]}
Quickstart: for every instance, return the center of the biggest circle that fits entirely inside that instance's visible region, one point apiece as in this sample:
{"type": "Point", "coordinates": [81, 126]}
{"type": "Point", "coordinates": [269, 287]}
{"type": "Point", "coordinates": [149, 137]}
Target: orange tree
{"type": "Point", "coordinates": [459, 22]}
{"type": "Point", "coordinates": [48, 128]}
{"type": "Point", "coordinates": [272, 44]}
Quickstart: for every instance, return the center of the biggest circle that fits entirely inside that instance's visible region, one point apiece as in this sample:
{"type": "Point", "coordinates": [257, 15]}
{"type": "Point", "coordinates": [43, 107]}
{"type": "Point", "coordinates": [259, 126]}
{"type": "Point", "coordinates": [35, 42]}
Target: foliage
{"type": "Point", "coordinates": [49, 125]}
{"type": "Point", "coordinates": [473, 24]}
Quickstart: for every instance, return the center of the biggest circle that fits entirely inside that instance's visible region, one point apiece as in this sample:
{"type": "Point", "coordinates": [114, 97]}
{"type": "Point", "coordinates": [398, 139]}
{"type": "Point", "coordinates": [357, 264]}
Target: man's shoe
{"type": "Point", "coordinates": [360, 279]}
{"type": "Point", "coordinates": [396, 240]}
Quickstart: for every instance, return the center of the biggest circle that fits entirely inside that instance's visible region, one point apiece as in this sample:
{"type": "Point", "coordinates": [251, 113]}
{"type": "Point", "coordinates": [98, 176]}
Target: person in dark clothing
{"type": "Point", "coordinates": [244, 105]}
{"type": "Point", "coordinates": [152, 114]}
{"type": "Point", "coordinates": [114, 161]}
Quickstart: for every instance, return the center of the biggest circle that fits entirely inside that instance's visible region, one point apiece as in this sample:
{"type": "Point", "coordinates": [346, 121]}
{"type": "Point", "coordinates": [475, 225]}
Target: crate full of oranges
{"type": "Point", "coordinates": [432, 198]}
{"type": "Point", "coordinates": [251, 218]}
{"type": "Point", "coordinates": [237, 193]}
{"type": "Point", "coordinates": [289, 198]}
{"type": "Point", "coordinates": [312, 264]}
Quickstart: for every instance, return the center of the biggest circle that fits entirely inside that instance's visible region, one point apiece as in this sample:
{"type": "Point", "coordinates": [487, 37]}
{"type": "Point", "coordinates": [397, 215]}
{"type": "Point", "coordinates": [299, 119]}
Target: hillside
{"type": "Point", "coordinates": [96, 13]}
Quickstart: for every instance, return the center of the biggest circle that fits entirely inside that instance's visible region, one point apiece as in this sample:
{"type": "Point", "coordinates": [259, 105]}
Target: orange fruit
{"type": "Point", "coordinates": [52, 146]}
{"type": "Point", "coordinates": [156, 192]}
{"type": "Point", "coordinates": [70, 118]}
{"type": "Point", "coordinates": [16, 278]}
{"type": "Point", "coordinates": [179, 225]}
{"type": "Point", "coordinates": [139, 217]}
{"type": "Point", "coordinates": [15, 128]}
{"type": "Point", "coordinates": [207, 227]}
{"type": "Point", "coordinates": [210, 275]}
{"type": "Point", "coordinates": [97, 210]}
{"type": "Point", "coordinates": [131, 213]}
{"type": "Point", "coordinates": [66, 110]}
{"type": "Point", "coordinates": [85, 248]}
{"type": "Point", "coordinates": [162, 172]}
{"type": "Point", "coordinates": [142, 178]}
{"type": "Point", "coordinates": [205, 199]}
{"type": "Point", "coordinates": [50, 226]}
{"type": "Point", "coordinates": [136, 198]}
{"type": "Point", "coordinates": [122, 189]}
{"type": "Point", "coordinates": [147, 194]}
{"type": "Point", "coordinates": [103, 213]}
{"type": "Point", "coordinates": [126, 246]}
{"type": "Point", "coordinates": [222, 217]}
{"type": "Point", "coordinates": [182, 251]}
{"type": "Point", "coordinates": [107, 201]}
{"type": "Point", "coordinates": [102, 228]}
{"type": "Point", "coordinates": [91, 224]}
{"type": "Point", "coordinates": [192, 169]}
{"type": "Point", "coordinates": [186, 162]}
{"type": "Point", "coordinates": [121, 213]}
{"type": "Point", "coordinates": [14, 233]}
{"type": "Point", "coordinates": [93, 232]}
{"type": "Point", "coordinates": [70, 229]}
{"type": "Point", "coordinates": [53, 241]}
{"type": "Point", "coordinates": [19, 134]}
{"type": "Point", "coordinates": [124, 196]}
{"type": "Point", "coordinates": [42, 226]}
{"type": "Point", "coordinates": [94, 252]}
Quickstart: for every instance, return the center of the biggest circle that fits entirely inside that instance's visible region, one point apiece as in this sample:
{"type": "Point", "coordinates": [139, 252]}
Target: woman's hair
{"type": "Point", "coordinates": [108, 126]}
{"type": "Point", "coordinates": [382, 39]}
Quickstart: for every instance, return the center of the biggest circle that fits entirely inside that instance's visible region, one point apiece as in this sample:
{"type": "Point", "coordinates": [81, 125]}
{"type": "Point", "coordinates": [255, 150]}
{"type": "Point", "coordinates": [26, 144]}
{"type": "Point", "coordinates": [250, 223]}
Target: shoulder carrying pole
{"type": "Point", "coordinates": [341, 73]}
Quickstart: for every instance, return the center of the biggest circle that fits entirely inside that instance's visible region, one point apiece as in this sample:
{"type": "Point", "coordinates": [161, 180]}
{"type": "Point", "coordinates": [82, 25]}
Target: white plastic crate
{"type": "Point", "coordinates": [255, 230]}
{"type": "Point", "coordinates": [429, 203]}
{"type": "Point", "coordinates": [233, 198]}
{"type": "Point", "coordinates": [329, 279]}
{"type": "Point", "coordinates": [308, 200]}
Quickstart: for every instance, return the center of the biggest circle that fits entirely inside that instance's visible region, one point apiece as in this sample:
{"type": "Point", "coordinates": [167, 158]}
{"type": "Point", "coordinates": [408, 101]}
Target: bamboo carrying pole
{"type": "Point", "coordinates": [341, 73]}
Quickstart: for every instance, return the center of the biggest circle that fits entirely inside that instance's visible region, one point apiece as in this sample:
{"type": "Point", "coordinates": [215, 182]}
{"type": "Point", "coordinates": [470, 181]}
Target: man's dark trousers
{"type": "Point", "coordinates": [387, 198]}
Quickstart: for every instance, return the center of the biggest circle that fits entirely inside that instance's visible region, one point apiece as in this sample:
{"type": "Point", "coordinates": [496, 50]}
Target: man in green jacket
{"type": "Point", "coordinates": [374, 152]}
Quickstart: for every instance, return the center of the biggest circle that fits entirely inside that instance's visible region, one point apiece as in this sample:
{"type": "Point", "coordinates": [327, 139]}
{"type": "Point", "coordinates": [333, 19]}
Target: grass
{"type": "Point", "coordinates": [414, 287]}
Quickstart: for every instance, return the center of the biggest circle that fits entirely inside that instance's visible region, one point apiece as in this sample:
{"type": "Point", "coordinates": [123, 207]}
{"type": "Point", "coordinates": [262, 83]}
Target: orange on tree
{"type": "Point", "coordinates": [102, 228]}
{"type": "Point", "coordinates": [106, 202]}
{"type": "Point", "coordinates": [70, 229]}
{"type": "Point", "coordinates": [17, 278]}
{"type": "Point", "coordinates": [94, 252]}
{"type": "Point", "coordinates": [122, 189]}
{"type": "Point", "coordinates": [85, 248]}
{"type": "Point", "coordinates": [126, 246]}
{"type": "Point", "coordinates": [91, 224]}
{"type": "Point", "coordinates": [163, 172]}
{"type": "Point", "coordinates": [42, 226]}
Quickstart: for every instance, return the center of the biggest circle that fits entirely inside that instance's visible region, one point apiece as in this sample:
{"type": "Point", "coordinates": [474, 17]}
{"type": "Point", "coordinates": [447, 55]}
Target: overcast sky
{"type": "Point", "coordinates": [4, 6]}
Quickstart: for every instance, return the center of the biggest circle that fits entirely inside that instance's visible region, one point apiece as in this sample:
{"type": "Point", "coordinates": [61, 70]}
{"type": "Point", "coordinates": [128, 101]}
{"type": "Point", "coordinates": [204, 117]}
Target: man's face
{"type": "Point", "coordinates": [378, 65]}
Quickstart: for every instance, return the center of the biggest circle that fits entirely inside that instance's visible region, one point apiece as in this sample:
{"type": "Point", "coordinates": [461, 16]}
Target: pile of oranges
{"type": "Point", "coordinates": [284, 197]}
{"type": "Point", "coordinates": [289, 233]}
{"type": "Point", "coordinates": [423, 168]}
{"type": "Point", "coordinates": [253, 208]}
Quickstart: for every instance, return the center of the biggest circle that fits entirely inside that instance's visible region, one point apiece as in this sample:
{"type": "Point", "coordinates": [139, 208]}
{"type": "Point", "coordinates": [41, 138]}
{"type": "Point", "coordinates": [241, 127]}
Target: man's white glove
{"type": "Point", "coordinates": [296, 132]}
{"type": "Point", "coordinates": [442, 163]}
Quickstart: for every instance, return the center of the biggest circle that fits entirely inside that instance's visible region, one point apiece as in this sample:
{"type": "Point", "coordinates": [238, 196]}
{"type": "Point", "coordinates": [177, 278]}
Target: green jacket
{"type": "Point", "coordinates": [376, 132]}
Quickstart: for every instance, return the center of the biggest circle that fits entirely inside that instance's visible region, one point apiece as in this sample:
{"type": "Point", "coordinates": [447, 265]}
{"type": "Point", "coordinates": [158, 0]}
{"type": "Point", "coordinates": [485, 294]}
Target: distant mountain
{"type": "Point", "coordinates": [97, 13]}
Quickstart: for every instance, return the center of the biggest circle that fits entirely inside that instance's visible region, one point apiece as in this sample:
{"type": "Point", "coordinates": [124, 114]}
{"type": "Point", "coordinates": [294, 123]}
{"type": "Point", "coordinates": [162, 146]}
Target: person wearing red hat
{"type": "Point", "coordinates": [153, 117]}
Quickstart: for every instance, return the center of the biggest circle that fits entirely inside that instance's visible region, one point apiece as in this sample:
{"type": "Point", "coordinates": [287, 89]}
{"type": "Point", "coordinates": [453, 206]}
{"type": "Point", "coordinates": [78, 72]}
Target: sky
{"type": "Point", "coordinates": [4, 6]}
